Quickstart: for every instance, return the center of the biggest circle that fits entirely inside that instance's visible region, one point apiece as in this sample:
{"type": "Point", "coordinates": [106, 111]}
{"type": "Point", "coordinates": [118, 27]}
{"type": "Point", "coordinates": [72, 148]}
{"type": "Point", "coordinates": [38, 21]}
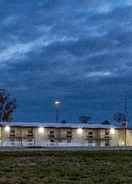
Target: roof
{"type": "Point", "coordinates": [57, 125]}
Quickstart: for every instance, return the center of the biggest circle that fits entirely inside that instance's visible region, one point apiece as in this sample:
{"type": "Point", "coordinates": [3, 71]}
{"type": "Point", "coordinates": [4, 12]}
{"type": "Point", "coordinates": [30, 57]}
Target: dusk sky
{"type": "Point", "coordinates": [78, 51]}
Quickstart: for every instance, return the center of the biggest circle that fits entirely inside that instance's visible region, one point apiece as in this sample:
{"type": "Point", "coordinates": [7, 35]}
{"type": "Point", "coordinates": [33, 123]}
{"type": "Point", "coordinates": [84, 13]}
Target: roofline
{"type": "Point", "coordinates": [60, 125]}
{"type": "Point", "coordinates": [95, 128]}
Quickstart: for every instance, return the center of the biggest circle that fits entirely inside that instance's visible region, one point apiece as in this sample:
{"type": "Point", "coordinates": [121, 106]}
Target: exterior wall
{"type": "Point", "coordinates": [39, 136]}
{"type": "Point", "coordinates": [114, 139]}
{"type": "Point", "coordinates": [16, 136]}
{"type": "Point", "coordinates": [129, 138]}
{"type": "Point", "coordinates": [121, 137]}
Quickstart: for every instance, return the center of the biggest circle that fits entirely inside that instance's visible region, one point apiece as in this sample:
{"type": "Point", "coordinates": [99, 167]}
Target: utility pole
{"type": "Point", "coordinates": [126, 118]}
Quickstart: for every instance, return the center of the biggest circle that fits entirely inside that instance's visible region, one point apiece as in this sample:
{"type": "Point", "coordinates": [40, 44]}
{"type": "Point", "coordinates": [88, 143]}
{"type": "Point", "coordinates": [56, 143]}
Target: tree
{"type": "Point", "coordinates": [106, 122]}
{"type": "Point", "coordinates": [7, 105]}
{"type": "Point", "coordinates": [84, 119]}
{"type": "Point", "coordinates": [63, 121]}
{"type": "Point", "coordinates": [120, 117]}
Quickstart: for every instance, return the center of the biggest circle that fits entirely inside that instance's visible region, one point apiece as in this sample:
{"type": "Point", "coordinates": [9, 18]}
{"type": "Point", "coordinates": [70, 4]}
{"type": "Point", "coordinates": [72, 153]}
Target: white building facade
{"type": "Point", "coordinates": [63, 134]}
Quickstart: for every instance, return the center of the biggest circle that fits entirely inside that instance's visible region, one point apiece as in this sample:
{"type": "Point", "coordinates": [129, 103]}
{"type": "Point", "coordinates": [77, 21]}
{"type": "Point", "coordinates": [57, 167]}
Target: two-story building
{"type": "Point", "coordinates": [63, 134]}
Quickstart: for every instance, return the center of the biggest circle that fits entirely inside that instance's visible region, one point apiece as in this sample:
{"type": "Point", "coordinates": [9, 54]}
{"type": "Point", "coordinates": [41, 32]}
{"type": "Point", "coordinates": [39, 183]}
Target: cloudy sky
{"type": "Point", "coordinates": [78, 51]}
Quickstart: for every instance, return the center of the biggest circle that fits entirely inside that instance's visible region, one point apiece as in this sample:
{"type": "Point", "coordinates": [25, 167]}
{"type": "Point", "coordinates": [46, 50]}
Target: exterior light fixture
{"type": "Point", "coordinates": [79, 131]}
{"type": "Point", "coordinates": [112, 131]}
{"type": "Point", "coordinates": [40, 130]}
{"type": "Point", "coordinates": [122, 143]}
{"type": "Point", "coordinates": [7, 128]}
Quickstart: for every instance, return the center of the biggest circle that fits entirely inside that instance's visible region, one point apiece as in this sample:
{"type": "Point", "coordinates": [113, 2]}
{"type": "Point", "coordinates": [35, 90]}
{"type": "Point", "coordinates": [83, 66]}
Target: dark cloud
{"type": "Point", "coordinates": [77, 51]}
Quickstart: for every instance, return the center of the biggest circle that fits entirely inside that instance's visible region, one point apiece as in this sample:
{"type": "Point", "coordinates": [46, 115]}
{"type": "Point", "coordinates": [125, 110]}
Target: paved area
{"type": "Point", "coordinates": [10, 149]}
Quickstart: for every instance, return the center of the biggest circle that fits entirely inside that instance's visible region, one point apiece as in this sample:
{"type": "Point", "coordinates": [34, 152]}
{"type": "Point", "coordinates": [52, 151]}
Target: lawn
{"type": "Point", "coordinates": [70, 167]}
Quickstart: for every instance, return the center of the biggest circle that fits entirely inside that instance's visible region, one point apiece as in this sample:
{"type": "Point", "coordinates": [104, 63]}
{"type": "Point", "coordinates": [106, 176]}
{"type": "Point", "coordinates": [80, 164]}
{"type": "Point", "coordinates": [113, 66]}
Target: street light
{"type": "Point", "coordinates": [57, 105]}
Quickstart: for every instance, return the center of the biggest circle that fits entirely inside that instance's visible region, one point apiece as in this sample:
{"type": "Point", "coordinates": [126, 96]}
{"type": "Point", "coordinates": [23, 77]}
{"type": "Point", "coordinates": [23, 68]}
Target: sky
{"type": "Point", "coordinates": [77, 51]}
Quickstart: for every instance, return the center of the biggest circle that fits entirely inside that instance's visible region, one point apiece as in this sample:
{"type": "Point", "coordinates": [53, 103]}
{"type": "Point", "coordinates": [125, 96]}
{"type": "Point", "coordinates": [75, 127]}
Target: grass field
{"type": "Point", "coordinates": [70, 167]}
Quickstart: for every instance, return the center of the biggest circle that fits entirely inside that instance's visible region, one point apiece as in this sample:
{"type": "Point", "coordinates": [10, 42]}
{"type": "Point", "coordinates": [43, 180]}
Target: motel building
{"type": "Point", "coordinates": [63, 134]}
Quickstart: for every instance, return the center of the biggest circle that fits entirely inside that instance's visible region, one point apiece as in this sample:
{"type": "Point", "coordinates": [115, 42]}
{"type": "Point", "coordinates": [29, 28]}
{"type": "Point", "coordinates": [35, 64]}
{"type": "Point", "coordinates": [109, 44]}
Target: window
{"type": "Point", "coordinates": [107, 137]}
{"type": "Point", "coordinates": [12, 133]}
{"type": "Point", "coordinates": [30, 132]}
{"type": "Point", "coordinates": [69, 136]}
{"type": "Point", "coordinates": [69, 133]}
{"type": "Point", "coordinates": [90, 135]}
{"type": "Point", "coordinates": [51, 140]}
{"type": "Point", "coordinates": [107, 143]}
{"type": "Point", "coordinates": [90, 141]}
{"type": "Point", "coordinates": [51, 135]}
{"type": "Point", "coordinates": [107, 132]}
